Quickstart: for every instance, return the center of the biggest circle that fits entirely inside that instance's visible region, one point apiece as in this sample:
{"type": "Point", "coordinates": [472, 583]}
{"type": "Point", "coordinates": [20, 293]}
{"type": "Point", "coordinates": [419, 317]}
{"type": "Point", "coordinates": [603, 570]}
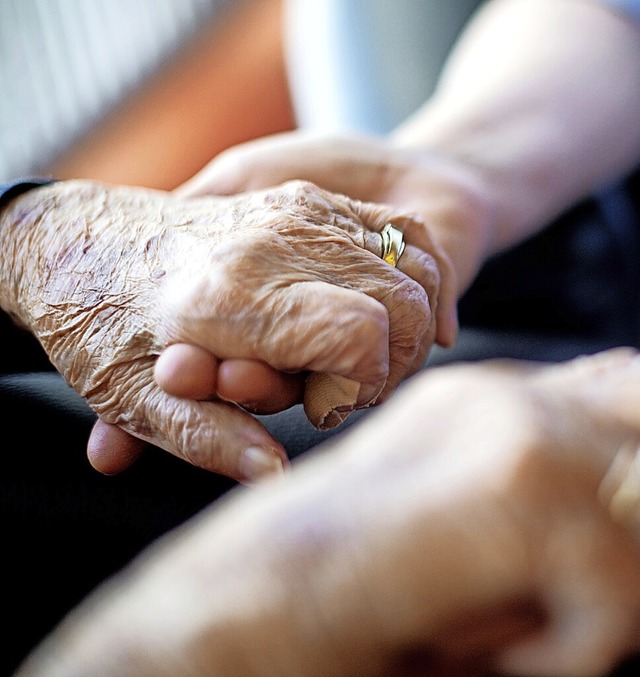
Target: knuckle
{"type": "Point", "coordinates": [299, 191]}
{"type": "Point", "coordinates": [430, 274]}
{"type": "Point", "coordinates": [362, 348]}
{"type": "Point", "coordinates": [410, 308]}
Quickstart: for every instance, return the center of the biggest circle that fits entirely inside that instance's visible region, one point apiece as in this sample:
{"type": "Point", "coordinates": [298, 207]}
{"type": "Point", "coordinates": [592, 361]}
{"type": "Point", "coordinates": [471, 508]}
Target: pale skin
{"type": "Point", "coordinates": [107, 277]}
{"type": "Point", "coordinates": [487, 161]}
{"type": "Point", "coordinates": [462, 530]}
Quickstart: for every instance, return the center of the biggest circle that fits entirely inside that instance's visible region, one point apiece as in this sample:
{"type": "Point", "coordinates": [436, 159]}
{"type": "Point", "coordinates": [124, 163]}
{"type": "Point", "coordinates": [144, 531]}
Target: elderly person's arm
{"type": "Point", "coordinates": [107, 277]}
{"type": "Point", "coordinates": [467, 528]}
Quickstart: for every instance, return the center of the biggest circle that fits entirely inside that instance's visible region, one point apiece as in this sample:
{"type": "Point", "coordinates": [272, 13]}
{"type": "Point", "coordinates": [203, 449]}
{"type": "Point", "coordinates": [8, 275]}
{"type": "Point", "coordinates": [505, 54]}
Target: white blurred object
{"type": "Point", "coordinates": [365, 65]}
{"type": "Point", "coordinates": [65, 63]}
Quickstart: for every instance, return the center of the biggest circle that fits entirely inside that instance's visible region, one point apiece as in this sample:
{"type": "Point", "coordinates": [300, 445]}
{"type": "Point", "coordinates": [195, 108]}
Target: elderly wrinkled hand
{"type": "Point", "coordinates": [465, 529]}
{"type": "Point", "coordinates": [108, 277]}
{"type": "Point", "coordinates": [455, 212]}
{"type": "Point", "coordinates": [451, 196]}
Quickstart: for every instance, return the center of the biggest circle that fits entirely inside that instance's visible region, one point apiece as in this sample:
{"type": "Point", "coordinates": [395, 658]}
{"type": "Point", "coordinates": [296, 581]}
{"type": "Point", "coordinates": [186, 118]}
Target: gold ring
{"type": "Point", "coordinates": [392, 244]}
{"type": "Point", "coordinates": [620, 488]}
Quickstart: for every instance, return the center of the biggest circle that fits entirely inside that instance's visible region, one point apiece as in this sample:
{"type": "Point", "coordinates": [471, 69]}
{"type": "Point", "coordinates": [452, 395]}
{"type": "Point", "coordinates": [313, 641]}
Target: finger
{"type": "Point", "coordinates": [311, 325]}
{"type": "Point", "coordinates": [186, 370]}
{"type": "Point", "coordinates": [412, 329]}
{"type": "Point", "coordinates": [320, 316]}
{"type": "Point", "coordinates": [258, 387]}
{"type": "Point", "coordinates": [256, 164]}
{"type": "Point", "coordinates": [417, 232]}
{"type": "Point", "coordinates": [111, 450]}
{"type": "Point", "coordinates": [447, 324]}
{"type": "Point", "coordinates": [221, 176]}
{"type": "Point", "coordinates": [419, 266]}
{"type": "Point", "coordinates": [337, 331]}
{"type": "Point", "coordinates": [216, 436]}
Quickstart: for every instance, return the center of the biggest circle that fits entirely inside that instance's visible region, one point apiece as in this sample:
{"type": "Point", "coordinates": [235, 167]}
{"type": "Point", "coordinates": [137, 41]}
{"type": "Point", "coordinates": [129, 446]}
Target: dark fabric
{"type": "Point", "coordinates": [14, 188]}
{"type": "Point", "coordinates": [66, 527]}
{"type": "Point", "coordinates": [629, 7]}
{"type": "Point", "coordinates": [579, 277]}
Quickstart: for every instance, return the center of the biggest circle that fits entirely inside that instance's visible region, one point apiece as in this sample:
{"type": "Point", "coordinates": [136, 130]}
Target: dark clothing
{"type": "Point", "coordinates": [15, 188]}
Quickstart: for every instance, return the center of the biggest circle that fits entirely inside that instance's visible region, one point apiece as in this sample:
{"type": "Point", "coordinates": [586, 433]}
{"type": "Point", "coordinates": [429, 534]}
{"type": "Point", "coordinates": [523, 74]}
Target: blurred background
{"type": "Point", "coordinates": [142, 92]}
{"type": "Point", "coordinates": [145, 92]}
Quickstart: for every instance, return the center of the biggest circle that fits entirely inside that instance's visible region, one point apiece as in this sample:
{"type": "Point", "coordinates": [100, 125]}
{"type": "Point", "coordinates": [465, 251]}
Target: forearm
{"type": "Point", "coordinates": [334, 571]}
{"type": "Point", "coordinates": [541, 98]}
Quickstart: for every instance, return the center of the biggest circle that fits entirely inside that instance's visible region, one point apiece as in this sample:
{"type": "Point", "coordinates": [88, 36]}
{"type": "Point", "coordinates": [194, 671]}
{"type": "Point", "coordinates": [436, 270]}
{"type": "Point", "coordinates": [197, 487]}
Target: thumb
{"type": "Point", "coordinates": [216, 436]}
{"type": "Point", "coordinates": [111, 450]}
{"type": "Point", "coordinates": [232, 171]}
{"type": "Point", "coordinates": [261, 163]}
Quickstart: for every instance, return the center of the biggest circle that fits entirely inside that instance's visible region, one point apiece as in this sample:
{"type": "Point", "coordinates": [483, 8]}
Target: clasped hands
{"type": "Point", "coordinates": [252, 292]}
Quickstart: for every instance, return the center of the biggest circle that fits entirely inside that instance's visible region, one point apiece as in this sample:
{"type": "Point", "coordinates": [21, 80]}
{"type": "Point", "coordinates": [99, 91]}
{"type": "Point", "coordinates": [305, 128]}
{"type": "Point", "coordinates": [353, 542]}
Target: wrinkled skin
{"type": "Point", "coordinates": [107, 277]}
{"type": "Point", "coordinates": [451, 197]}
{"type": "Point", "coordinates": [455, 210]}
{"type": "Point", "coordinates": [461, 531]}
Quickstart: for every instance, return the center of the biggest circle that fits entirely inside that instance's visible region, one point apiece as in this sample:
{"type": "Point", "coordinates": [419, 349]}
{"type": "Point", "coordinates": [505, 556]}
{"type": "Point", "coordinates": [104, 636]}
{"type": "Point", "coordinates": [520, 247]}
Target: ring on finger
{"type": "Point", "coordinates": [392, 244]}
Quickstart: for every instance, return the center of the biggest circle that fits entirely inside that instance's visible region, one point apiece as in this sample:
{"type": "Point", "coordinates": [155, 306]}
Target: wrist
{"type": "Point", "coordinates": [12, 232]}
{"type": "Point", "coordinates": [29, 224]}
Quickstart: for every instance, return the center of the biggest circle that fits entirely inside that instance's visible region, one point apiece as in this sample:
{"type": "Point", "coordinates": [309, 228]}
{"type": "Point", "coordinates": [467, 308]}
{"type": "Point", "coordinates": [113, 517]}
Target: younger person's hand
{"type": "Point", "coordinates": [464, 529]}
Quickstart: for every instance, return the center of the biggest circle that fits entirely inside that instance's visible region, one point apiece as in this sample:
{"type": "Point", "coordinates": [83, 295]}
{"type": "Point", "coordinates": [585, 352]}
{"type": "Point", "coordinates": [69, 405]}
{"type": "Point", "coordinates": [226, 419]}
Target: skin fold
{"type": "Point", "coordinates": [465, 528]}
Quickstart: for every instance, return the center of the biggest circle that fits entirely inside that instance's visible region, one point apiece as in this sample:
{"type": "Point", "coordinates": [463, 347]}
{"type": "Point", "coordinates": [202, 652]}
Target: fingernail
{"type": "Point", "coordinates": [368, 394]}
{"type": "Point", "coordinates": [257, 463]}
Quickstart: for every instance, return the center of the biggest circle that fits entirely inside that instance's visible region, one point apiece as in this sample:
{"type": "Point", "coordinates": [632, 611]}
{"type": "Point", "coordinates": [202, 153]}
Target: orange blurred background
{"type": "Point", "coordinates": [228, 84]}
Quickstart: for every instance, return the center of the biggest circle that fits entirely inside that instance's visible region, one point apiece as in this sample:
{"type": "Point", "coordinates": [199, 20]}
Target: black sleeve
{"type": "Point", "coordinates": [15, 188]}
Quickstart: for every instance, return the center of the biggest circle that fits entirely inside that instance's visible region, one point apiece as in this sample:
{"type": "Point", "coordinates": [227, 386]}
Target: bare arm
{"type": "Point", "coordinates": [225, 86]}
{"type": "Point", "coordinates": [537, 107]}
{"type": "Point", "coordinates": [542, 97]}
